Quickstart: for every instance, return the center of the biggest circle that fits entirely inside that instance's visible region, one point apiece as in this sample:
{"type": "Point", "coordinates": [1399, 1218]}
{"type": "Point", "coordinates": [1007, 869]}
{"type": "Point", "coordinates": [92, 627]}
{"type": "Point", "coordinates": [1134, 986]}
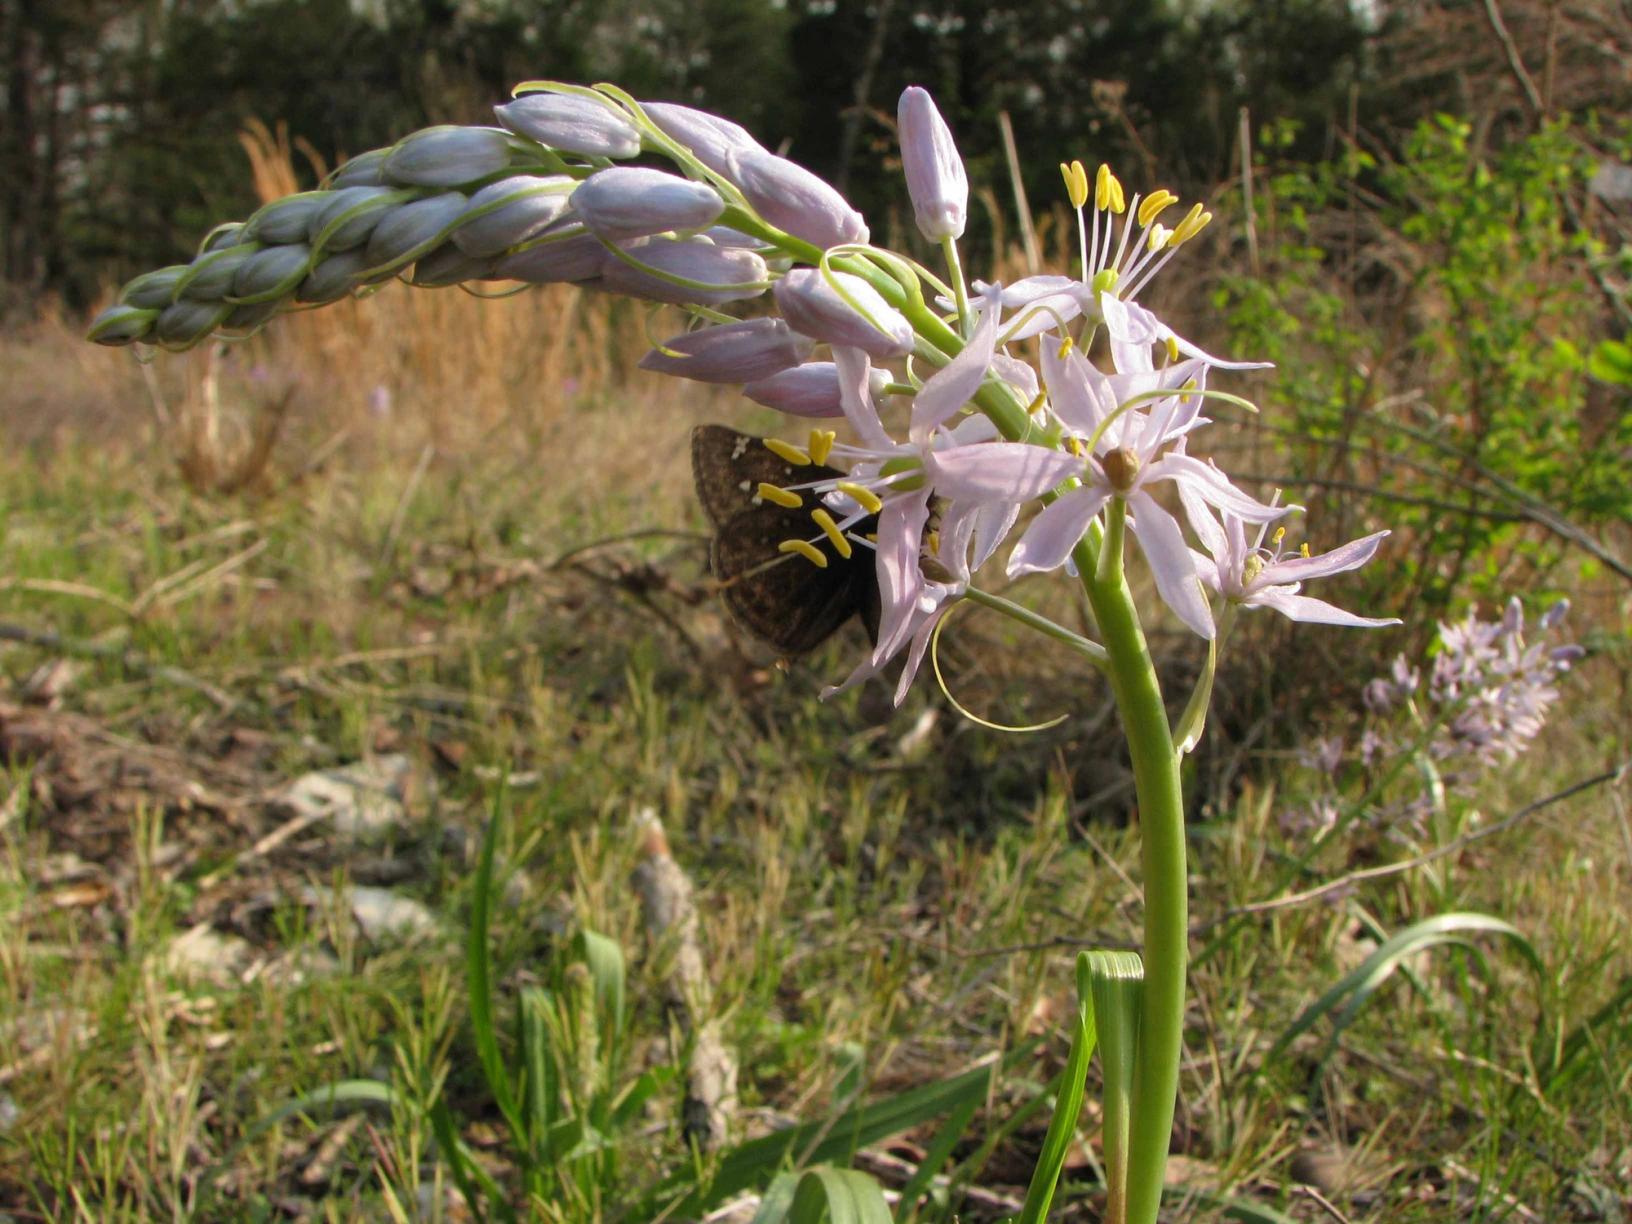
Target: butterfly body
{"type": "Point", "coordinates": [782, 598]}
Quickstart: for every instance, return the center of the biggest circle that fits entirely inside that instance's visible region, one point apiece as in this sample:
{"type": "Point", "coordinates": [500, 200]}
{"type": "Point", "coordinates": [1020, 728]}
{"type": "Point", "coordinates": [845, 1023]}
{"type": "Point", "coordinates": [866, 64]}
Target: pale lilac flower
{"type": "Point", "coordinates": [936, 182]}
{"type": "Point", "coordinates": [812, 306]}
{"type": "Point", "coordinates": [572, 123]}
{"type": "Point", "coordinates": [625, 202]}
{"type": "Point", "coordinates": [730, 353]}
{"type": "Point", "coordinates": [1133, 449]}
{"type": "Point", "coordinates": [795, 200]}
{"type": "Point", "coordinates": [1258, 577]}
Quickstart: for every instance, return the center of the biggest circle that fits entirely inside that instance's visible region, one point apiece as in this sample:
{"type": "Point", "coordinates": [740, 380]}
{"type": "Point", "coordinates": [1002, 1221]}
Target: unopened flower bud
{"type": "Point", "coordinates": [122, 323]}
{"type": "Point", "coordinates": [447, 156]}
{"type": "Point", "coordinates": [936, 181]}
{"type": "Point", "coordinates": [250, 315]}
{"type": "Point", "coordinates": [412, 229]}
{"type": "Point", "coordinates": [812, 306]}
{"type": "Point", "coordinates": [349, 216]}
{"type": "Point", "coordinates": [272, 272]}
{"type": "Point", "coordinates": [730, 353]}
{"type": "Point", "coordinates": [517, 209]}
{"type": "Point", "coordinates": [222, 237]}
{"type": "Point", "coordinates": [187, 322]}
{"type": "Point", "coordinates": [209, 277]}
{"type": "Point", "coordinates": [572, 124]}
{"type": "Point", "coordinates": [809, 390]}
{"type": "Point", "coordinates": [448, 265]}
{"type": "Point", "coordinates": [285, 220]}
{"type": "Point", "coordinates": [153, 290]}
{"type": "Point", "coordinates": [574, 257]}
{"type": "Point", "coordinates": [712, 140]}
{"type": "Point", "coordinates": [795, 200]}
{"type": "Point", "coordinates": [336, 276]}
{"type": "Point", "coordinates": [740, 274]}
{"type": "Point", "coordinates": [361, 171]}
{"type": "Point", "coordinates": [627, 202]}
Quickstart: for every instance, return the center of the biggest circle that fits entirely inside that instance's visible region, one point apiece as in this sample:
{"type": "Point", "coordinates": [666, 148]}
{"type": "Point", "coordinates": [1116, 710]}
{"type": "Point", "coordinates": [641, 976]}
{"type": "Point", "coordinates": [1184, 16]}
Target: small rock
{"type": "Point", "coordinates": [365, 799]}
{"type": "Point", "coordinates": [203, 954]}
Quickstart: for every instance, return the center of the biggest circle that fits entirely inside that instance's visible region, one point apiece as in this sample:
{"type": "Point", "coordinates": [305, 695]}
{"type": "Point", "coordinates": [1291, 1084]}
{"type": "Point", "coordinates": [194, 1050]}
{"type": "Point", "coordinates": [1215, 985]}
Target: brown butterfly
{"type": "Point", "coordinates": [783, 599]}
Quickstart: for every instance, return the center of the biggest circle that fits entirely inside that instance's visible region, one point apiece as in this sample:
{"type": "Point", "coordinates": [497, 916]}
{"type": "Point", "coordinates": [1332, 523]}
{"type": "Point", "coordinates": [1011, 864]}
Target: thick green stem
{"type": "Point", "coordinates": [1161, 826]}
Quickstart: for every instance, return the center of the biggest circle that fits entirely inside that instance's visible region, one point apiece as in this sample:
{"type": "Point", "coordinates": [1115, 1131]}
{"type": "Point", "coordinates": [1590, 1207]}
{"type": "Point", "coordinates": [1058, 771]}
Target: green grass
{"type": "Point", "coordinates": [879, 911]}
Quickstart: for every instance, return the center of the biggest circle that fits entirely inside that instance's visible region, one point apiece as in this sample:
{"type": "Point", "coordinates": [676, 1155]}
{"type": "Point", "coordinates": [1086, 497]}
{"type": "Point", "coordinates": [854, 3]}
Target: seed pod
{"type": "Point", "coordinates": [271, 273]}
{"type": "Point", "coordinates": [741, 274]}
{"type": "Point", "coordinates": [577, 256]}
{"type": "Point", "coordinates": [627, 202]}
{"type": "Point", "coordinates": [410, 230]}
{"type": "Point", "coordinates": [350, 215]}
{"type": "Point", "coordinates": [795, 200]}
{"type": "Point", "coordinates": [185, 323]}
{"type": "Point", "coordinates": [447, 156]}
{"type": "Point", "coordinates": [122, 323]}
{"type": "Point", "coordinates": [361, 171]}
{"type": "Point", "coordinates": [712, 140]}
{"type": "Point", "coordinates": [209, 277]}
{"type": "Point", "coordinates": [572, 123]}
{"type": "Point", "coordinates": [730, 353]}
{"type": "Point", "coordinates": [812, 306]}
{"type": "Point", "coordinates": [153, 290]}
{"type": "Point", "coordinates": [518, 208]}
{"type": "Point", "coordinates": [285, 220]}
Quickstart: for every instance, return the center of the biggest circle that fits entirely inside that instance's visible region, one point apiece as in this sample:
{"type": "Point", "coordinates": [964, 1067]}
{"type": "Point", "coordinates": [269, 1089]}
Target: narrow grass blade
{"type": "Point", "coordinates": [777, 1200]}
{"type": "Point", "coordinates": [838, 1196]}
{"type": "Point", "coordinates": [479, 980]}
{"type": "Point", "coordinates": [940, 1148]}
{"type": "Point", "coordinates": [1351, 992]}
{"type": "Point", "coordinates": [540, 1086]}
{"type": "Point", "coordinates": [606, 968]}
{"type": "Point", "coordinates": [1067, 1105]}
{"type": "Point", "coordinates": [468, 1175]}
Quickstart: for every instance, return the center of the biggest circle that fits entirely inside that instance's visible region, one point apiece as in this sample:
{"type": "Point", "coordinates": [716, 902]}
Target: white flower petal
{"type": "Point", "coordinates": [1055, 532]}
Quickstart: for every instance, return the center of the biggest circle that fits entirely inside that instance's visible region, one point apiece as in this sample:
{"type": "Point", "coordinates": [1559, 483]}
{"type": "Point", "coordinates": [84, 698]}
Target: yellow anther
{"type": "Point", "coordinates": [781, 496]}
{"type": "Point", "coordinates": [805, 549]}
{"type": "Point", "coordinates": [1194, 222]}
{"type": "Point", "coordinates": [1076, 183]}
{"type": "Point", "coordinates": [1108, 195]}
{"type": "Point", "coordinates": [1039, 401]}
{"type": "Point", "coordinates": [861, 495]}
{"type": "Point", "coordinates": [830, 529]}
{"type": "Point", "coordinates": [934, 538]}
{"type": "Point", "coordinates": [1156, 203]}
{"type": "Point", "coordinates": [1173, 355]}
{"type": "Point", "coordinates": [821, 444]}
{"type": "Point", "coordinates": [785, 450]}
{"type": "Point", "coordinates": [1065, 348]}
{"type": "Point", "coordinates": [1275, 540]}
{"type": "Point", "coordinates": [1159, 237]}
{"type": "Point", "coordinates": [1074, 445]}
{"type": "Point", "coordinates": [1303, 550]}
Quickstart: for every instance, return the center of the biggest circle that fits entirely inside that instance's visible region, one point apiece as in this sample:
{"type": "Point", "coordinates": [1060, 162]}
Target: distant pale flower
{"type": "Point", "coordinates": [936, 182]}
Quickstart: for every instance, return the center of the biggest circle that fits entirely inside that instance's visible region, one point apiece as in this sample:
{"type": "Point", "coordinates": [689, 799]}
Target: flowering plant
{"type": "Point", "coordinates": [995, 426]}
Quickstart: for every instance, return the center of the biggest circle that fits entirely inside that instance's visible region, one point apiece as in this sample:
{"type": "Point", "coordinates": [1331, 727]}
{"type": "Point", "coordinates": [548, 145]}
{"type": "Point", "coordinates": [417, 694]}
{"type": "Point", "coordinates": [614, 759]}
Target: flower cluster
{"type": "Point", "coordinates": [1488, 691]}
{"type": "Point", "coordinates": [1002, 408]}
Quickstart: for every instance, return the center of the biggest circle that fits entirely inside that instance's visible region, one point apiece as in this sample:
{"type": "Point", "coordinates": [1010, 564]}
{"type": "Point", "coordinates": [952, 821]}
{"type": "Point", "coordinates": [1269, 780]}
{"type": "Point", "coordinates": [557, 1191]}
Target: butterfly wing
{"type": "Point", "coordinates": [781, 598]}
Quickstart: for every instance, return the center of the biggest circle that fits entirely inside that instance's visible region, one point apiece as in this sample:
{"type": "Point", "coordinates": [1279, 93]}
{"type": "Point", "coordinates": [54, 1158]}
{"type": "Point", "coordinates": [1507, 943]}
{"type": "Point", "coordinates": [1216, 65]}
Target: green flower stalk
{"type": "Point", "coordinates": [968, 408]}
